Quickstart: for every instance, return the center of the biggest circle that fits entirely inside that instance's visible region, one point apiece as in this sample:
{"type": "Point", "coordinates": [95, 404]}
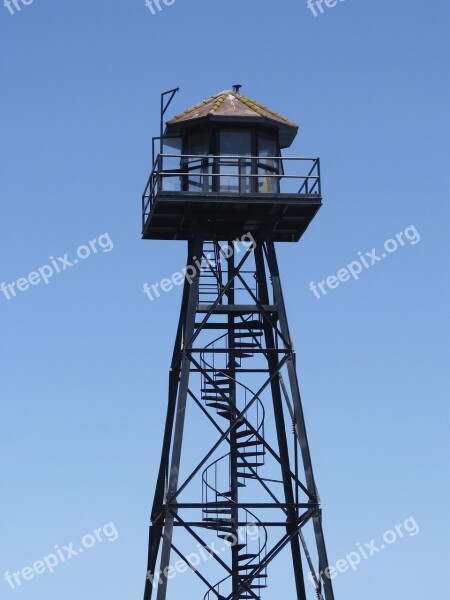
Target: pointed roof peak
{"type": "Point", "coordinates": [231, 104]}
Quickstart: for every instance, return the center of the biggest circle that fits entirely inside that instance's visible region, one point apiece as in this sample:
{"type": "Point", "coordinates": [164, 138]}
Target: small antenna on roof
{"type": "Point", "coordinates": [237, 88]}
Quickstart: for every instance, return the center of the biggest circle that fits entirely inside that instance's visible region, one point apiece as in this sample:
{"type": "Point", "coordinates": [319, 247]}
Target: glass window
{"type": "Point", "coordinates": [172, 145]}
{"type": "Point", "coordinates": [197, 165]}
{"type": "Point", "coordinates": [171, 163]}
{"type": "Point", "coordinates": [199, 143]}
{"type": "Point", "coordinates": [267, 145]}
{"type": "Point", "coordinates": [268, 165]}
{"type": "Point", "coordinates": [235, 142]}
{"type": "Point", "coordinates": [229, 178]}
{"type": "Point", "coordinates": [268, 181]}
{"type": "Point", "coordinates": [234, 176]}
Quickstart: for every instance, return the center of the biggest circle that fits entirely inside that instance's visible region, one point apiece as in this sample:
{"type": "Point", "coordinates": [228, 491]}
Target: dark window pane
{"type": "Point", "coordinates": [267, 145]}
{"type": "Point", "coordinates": [234, 175]}
{"type": "Point", "coordinates": [172, 145]}
{"type": "Point", "coordinates": [198, 168]}
{"type": "Point", "coordinates": [229, 178]}
{"type": "Point", "coordinates": [170, 163]}
{"type": "Point", "coordinates": [235, 143]}
{"type": "Point", "coordinates": [199, 143]}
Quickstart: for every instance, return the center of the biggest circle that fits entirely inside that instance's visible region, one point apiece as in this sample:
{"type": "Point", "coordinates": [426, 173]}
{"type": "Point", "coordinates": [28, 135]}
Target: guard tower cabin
{"type": "Point", "coordinates": [221, 173]}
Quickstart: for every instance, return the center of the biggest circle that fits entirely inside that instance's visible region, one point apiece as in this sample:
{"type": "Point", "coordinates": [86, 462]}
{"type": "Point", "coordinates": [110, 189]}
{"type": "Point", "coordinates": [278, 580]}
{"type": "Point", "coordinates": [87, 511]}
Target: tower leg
{"type": "Point", "coordinates": [280, 427]}
{"type": "Point", "coordinates": [299, 416]}
{"type": "Point", "coordinates": [179, 382]}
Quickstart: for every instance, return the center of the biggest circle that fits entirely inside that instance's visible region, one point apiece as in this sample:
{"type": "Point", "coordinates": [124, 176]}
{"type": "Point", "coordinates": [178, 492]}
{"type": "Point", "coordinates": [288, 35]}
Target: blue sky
{"type": "Point", "coordinates": [85, 358]}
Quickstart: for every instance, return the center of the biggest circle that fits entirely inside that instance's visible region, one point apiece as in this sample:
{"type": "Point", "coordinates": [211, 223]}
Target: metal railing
{"type": "Point", "coordinates": [231, 175]}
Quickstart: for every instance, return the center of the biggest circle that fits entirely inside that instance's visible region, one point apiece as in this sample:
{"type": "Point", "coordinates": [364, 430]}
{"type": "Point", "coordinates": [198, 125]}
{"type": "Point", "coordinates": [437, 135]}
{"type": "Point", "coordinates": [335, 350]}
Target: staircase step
{"type": "Point", "coordinates": [246, 556]}
{"type": "Point", "coordinates": [247, 335]}
{"type": "Point", "coordinates": [226, 415]}
{"type": "Point", "coordinates": [217, 397]}
{"type": "Point", "coordinates": [227, 494]}
{"type": "Point", "coordinates": [224, 407]}
{"type": "Point", "coordinates": [218, 527]}
{"type": "Point", "coordinates": [246, 595]}
{"type": "Point", "coordinates": [250, 568]}
{"type": "Point", "coordinates": [252, 453]}
{"type": "Point", "coordinates": [230, 539]}
{"type": "Point", "coordinates": [221, 391]}
{"type": "Point", "coordinates": [249, 444]}
{"type": "Point", "coordinates": [243, 465]}
{"type": "Point", "coordinates": [249, 325]}
{"type": "Point", "coordinates": [246, 433]}
{"type": "Point", "coordinates": [217, 388]}
{"type": "Point", "coordinates": [254, 323]}
{"type": "Point", "coordinates": [227, 537]}
{"type": "Point", "coordinates": [246, 475]}
{"type": "Point", "coordinates": [240, 345]}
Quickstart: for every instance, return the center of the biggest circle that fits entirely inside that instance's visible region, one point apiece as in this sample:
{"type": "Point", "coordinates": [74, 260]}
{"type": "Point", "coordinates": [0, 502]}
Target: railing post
{"type": "Point", "coordinates": [318, 176]}
{"type": "Point", "coordinates": [160, 168]}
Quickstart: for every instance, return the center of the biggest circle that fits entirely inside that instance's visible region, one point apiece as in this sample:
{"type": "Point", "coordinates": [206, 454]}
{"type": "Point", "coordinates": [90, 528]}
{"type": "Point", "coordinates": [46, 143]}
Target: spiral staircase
{"type": "Point", "coordinates": [217, 490]}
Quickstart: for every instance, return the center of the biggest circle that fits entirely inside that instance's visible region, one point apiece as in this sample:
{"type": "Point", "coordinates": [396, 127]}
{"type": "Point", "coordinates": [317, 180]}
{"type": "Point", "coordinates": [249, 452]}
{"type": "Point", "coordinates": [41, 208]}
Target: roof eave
{"type": "Point", "coordinates": [287, 131]}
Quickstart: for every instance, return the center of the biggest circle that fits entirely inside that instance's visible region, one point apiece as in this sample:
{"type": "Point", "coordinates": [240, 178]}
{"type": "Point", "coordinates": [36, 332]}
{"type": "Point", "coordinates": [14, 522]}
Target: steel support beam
{"type": "Point", "coordinates": [255, 343]}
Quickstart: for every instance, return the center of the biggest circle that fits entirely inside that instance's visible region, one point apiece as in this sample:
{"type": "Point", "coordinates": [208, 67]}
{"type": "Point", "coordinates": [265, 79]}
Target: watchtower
{"type": "Point", "coordinates": [220, 182]}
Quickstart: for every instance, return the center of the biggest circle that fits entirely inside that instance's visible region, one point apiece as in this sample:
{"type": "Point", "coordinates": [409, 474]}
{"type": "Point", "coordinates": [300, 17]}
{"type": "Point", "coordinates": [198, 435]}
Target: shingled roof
{"type": "Point", "coordinates": [230, 105]}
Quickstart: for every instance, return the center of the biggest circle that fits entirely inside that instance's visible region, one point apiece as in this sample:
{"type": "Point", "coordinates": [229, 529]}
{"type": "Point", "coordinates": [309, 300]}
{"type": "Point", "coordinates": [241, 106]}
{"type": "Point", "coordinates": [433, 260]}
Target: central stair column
{"type": "Point", "coordinates": [234, 485]}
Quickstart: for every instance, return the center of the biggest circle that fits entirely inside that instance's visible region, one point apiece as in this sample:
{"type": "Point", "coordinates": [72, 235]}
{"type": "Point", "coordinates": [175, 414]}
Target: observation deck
{"type": "Point", "coordinates": [225, 197]}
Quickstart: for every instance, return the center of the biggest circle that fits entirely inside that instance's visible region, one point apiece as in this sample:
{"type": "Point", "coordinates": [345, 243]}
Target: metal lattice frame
{"type": "Point", "coordinates": [252, 334]}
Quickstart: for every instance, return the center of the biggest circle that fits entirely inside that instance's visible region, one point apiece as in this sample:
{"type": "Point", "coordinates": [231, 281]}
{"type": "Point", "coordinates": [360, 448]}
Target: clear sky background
{"type": "Point", "coordinates": [84, 359]}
